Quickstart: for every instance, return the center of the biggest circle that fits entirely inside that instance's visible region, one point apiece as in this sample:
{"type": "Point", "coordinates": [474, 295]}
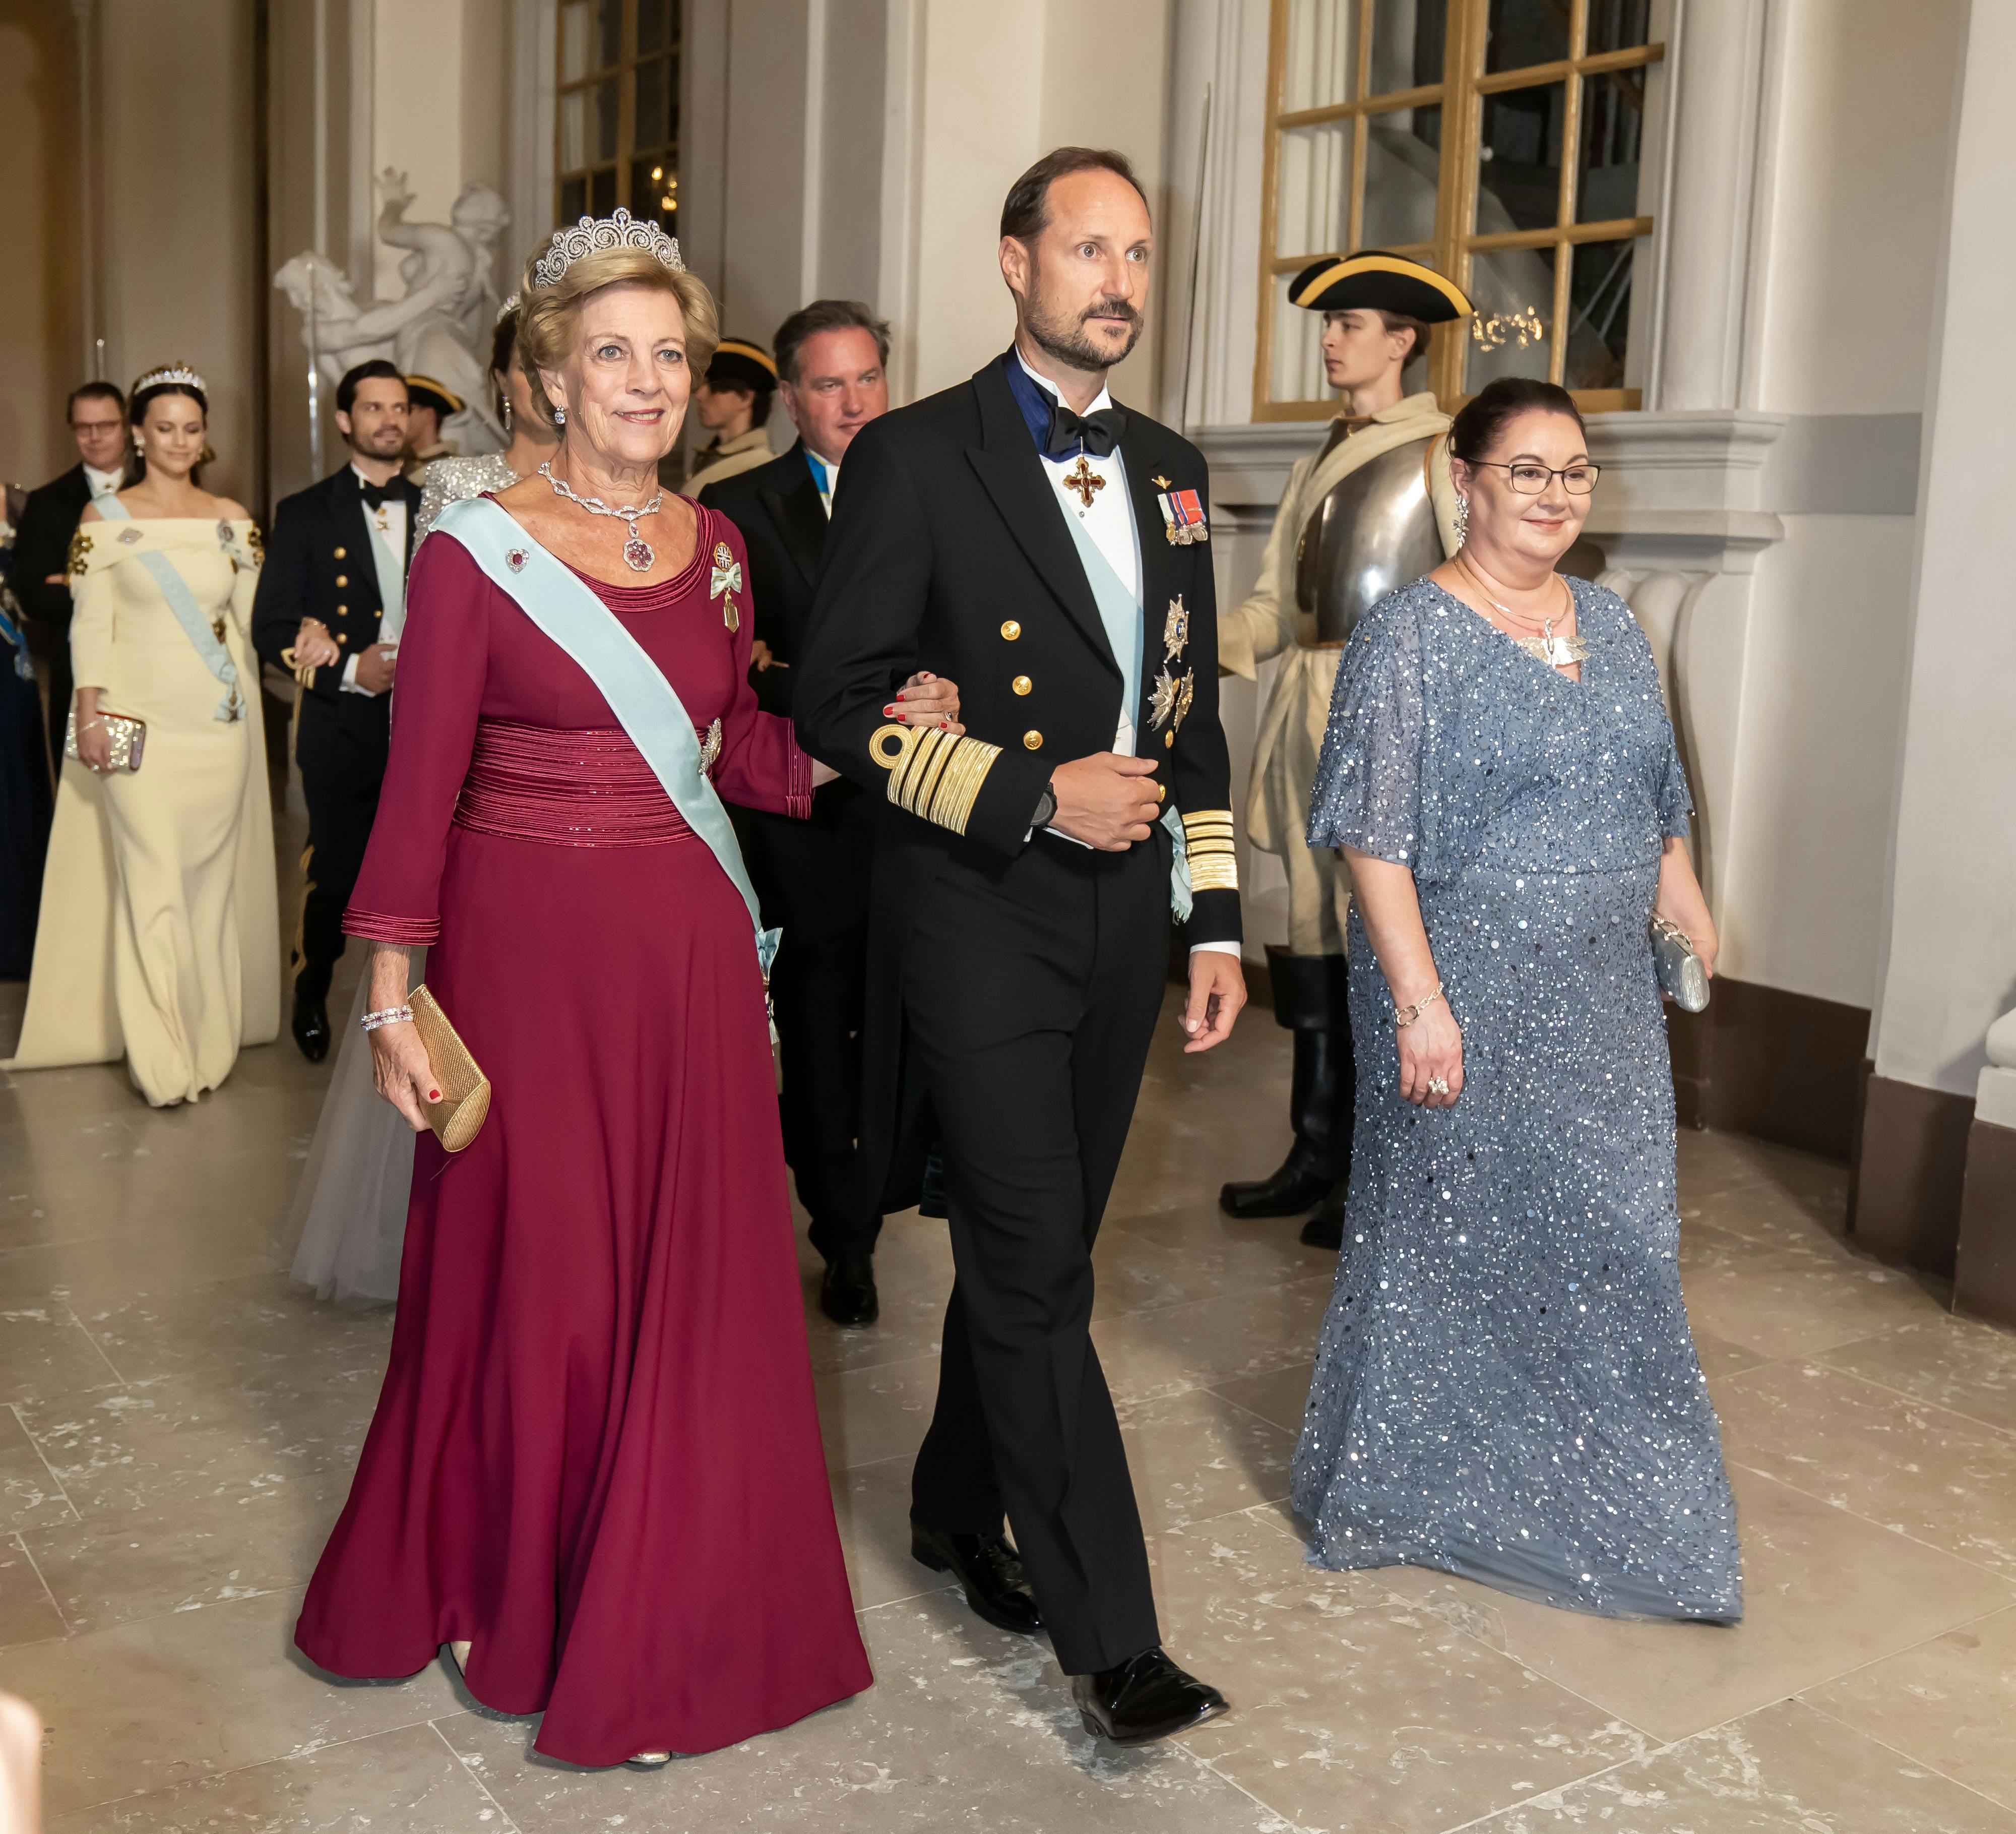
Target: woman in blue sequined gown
{"type": "Point", "coordinates": [1505, 1387]}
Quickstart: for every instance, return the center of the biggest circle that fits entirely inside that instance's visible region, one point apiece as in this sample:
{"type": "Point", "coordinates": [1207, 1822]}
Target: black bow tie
{"type": "Point", "coordinates": [374, 494]}
{"type": "Point", "coordinates": [1096, 434]}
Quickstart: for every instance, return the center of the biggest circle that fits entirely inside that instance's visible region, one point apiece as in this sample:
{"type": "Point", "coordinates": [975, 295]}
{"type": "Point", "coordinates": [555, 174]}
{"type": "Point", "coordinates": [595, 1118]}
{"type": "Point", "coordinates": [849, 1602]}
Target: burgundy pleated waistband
{"type": "Point", "coordinates": [585, 788]}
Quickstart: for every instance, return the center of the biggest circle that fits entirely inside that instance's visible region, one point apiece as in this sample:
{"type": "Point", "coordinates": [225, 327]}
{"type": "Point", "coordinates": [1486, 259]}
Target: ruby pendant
{"type": "Point", "coordinates": [638, 554]}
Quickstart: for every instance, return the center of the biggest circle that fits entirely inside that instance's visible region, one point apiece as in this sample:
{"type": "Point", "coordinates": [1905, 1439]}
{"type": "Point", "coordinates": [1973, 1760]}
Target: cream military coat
{"type": "Point", "coordinates": [1268, 624]}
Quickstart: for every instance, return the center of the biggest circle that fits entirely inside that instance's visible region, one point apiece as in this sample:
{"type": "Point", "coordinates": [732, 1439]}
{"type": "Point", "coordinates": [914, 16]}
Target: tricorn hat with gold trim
{"type": "Point", "coordinates": [424, 392]}
{"type": "Point", "coordinates": [1373, 280]}
{"type": "Point", "coordinates": [741, 362]}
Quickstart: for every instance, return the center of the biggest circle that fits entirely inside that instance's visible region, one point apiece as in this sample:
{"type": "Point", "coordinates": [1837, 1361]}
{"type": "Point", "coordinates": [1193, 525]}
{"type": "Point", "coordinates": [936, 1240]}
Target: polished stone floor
{"type": "Point", "coordinates": [177, 1429]}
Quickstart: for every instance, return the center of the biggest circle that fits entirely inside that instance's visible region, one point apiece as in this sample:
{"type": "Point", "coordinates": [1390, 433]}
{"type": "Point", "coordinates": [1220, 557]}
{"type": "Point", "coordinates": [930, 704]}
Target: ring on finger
{"type": "Point", "coordinates": [1438, 1086]}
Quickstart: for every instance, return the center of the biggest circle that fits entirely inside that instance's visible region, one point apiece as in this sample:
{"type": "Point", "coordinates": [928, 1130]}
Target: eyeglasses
{"type": "Point", "coordinates": [1529, 480]}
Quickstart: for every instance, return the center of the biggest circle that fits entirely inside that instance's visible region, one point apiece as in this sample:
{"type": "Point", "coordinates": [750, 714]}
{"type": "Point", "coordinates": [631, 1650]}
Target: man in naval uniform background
{"type": "Point", "coordinates": [1374, 510]}
{"type": "Point", "coordinates": [331, 602]}
{"type": "Point", "coordinates": [1022, 535]}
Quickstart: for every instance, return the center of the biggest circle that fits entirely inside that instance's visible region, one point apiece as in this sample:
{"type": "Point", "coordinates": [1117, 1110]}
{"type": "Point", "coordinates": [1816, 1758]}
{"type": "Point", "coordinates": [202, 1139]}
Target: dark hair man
{"type": "Point", "coordinates": [331, 601]}
{"type": "Point", "coordinates": [812, 877]}
{"type": "Point", "coordinates": [97, 413]}
{"type": "Point", "coordinates": [733, 404]}
{"type": "Point", "coordinates": [1358, 519]}
{"type": "Point", "coordinates": [1023, 535]}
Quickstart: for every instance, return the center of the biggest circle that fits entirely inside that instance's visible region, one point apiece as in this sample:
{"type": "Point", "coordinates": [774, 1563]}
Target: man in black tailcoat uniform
{"type": "Point", "coordinates": [812, 875]}
{"type": "Point", "coordinates": [97, 414]}
{"type": "Point", "coordinates": [1043, 549]}
{"type": "Point", "coordinates": [331, 602]}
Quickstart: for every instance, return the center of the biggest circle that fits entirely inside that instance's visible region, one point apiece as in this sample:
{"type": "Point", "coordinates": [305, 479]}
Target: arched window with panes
{"type": "Point", "coordinates": [1507, 142]}
{"type": "Point", "coordinates": [616, 129]}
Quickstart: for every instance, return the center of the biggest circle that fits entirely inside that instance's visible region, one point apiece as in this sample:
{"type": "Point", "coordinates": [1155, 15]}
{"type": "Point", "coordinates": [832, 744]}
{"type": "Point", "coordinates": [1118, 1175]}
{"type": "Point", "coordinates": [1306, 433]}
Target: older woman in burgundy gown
{"type": "Point", "coordinates": [595, 1471]}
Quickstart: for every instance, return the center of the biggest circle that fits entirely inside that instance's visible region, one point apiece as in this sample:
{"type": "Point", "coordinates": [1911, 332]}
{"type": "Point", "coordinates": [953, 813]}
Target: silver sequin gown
{"type": "Point", "coordinates": [1505, 1387]}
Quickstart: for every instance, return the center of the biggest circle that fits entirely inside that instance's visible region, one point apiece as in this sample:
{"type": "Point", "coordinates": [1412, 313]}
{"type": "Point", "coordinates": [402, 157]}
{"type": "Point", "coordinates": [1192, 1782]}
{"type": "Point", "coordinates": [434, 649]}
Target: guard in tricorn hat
{"type": "Point", "coordinates": [1374, 509]}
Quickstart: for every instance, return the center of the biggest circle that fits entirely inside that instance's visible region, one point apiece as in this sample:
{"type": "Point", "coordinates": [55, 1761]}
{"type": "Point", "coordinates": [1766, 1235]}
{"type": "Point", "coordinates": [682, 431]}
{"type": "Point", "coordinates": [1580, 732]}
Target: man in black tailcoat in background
{"type": "Point", "coordinates": [1023, 536]}
{"type": "Point", "coordinates": [97, 414]}
{"type": "Point", "coordinates": [331, 602]}
{"type": "Point", "coordinates": [812, 875]}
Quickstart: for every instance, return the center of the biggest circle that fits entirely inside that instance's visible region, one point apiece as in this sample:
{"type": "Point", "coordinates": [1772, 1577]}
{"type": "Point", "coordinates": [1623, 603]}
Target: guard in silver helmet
{"type": "Point", "coordinates": [1373, 510]}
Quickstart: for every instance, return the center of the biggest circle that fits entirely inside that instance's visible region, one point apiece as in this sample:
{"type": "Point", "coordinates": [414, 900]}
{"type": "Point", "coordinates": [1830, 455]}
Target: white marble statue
{"type": "Point", "coordinates": [439, 327]}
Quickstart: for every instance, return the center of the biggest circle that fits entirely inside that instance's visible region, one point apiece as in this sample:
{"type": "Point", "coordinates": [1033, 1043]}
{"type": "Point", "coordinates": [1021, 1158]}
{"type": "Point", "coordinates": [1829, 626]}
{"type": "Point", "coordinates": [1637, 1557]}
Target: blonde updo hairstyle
{"type": "Point", "coordinates": [549, 320]}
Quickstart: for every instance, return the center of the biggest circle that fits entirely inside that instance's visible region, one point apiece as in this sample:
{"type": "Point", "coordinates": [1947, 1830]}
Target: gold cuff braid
{"type": "Point", "coordinates": [934, 774]}
{"type": "Point", "coordinates": [1207, 842]}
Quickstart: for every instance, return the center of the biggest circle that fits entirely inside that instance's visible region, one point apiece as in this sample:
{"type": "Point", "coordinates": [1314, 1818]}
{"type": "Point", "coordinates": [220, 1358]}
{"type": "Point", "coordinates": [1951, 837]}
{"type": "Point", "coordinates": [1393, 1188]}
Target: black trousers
{"type": "Point", "coordinates": [342, 772]}
{"type": "Point", "coordinates": [811, 878]}
{"type": "Point", "coordinates": [1030, 998]}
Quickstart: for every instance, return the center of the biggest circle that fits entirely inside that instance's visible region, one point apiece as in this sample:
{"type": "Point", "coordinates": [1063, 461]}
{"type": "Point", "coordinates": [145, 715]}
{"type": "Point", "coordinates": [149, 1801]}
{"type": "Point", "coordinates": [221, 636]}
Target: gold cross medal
{"type": "Point", "coordinates": [1082, 480]}
{"type": "Point", "coordinates": [1176, 629]}
{"type": "Point", "coordinates": [727, 579]}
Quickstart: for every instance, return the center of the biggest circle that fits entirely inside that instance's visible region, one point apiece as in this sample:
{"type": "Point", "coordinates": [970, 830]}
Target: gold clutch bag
{"type": "Point", "coordinates": [457, 1117]}
{"type": "Point", "coordinates": [128, 737]}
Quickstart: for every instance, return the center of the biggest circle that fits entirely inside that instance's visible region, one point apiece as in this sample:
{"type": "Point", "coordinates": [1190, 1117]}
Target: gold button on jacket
{"type": "Point", "coordinates": [1032, 740]}
{"type": "Point", "coordinates": [343, 579]}
{"type": "Point", "coordinates": [1021, 684]}
{"type": "Point", "coordinates": [340, 553]}
{"type": "Point", "coordinates": [1011, 630]}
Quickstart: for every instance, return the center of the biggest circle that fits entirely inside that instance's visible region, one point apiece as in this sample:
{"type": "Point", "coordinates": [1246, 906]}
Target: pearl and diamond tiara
{"type": "Point", "coordinates": [175, 373]}
{"type": "Point", "coordinates": [591, 235]}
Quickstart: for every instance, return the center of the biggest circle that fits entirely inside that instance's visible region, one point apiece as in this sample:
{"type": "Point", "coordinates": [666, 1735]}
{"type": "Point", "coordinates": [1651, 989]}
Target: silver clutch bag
{"type": "Point", "coordinates": [128, 739]}
{"type": "Point", "coordinates": [1682, 975]}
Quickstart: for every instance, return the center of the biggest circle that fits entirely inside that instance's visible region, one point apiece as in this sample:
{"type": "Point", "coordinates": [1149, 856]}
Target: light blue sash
{"type": "Point", "coordinates": [554, 597]}
{"type": "Point", "coordinates": [1127, 631]}
{"type": "Point", "coordinates": [188, 615]}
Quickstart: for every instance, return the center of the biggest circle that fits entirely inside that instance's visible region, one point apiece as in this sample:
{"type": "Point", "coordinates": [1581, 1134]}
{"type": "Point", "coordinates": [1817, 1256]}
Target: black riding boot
{"type": "Point", "coordinates": [1309, 996]}
{"type": "Point", "coordinates": [1325, 1230]}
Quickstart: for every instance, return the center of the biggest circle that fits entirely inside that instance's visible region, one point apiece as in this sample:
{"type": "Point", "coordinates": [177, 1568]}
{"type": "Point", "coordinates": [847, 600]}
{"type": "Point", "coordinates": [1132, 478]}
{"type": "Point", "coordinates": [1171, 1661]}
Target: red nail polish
{"type": "Point", "coordinates": [434, 1095]}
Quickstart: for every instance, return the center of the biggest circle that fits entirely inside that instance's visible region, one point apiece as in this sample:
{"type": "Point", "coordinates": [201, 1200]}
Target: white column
{"type": "Point", "coordinates": [1951, 950]}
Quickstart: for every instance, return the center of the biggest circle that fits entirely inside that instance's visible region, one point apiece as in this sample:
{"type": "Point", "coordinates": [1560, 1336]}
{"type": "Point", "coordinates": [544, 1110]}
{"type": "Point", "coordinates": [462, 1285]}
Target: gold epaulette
{"type": "Point", "coordinates": [1208, 843]}
{"type": "Point", "coordinates": [933, 773]}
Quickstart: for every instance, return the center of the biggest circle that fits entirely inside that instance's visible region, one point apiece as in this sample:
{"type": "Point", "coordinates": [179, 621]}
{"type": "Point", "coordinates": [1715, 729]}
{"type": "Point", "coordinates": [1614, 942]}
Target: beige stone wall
{"type": "Point", "coordinates": [178, 237]}
{"type": "Point", "coordinates": [42, 332]}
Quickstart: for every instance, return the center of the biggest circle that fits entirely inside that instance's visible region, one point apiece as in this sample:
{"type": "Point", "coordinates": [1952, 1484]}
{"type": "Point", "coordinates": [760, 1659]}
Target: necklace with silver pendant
{"type": "Point", "coordinates": [1556, 652]}
{"type": "Point", "coordinates": [639, 555]}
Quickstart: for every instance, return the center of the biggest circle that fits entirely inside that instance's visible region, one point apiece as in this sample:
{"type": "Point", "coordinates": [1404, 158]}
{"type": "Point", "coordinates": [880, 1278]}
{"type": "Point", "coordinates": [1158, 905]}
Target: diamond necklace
{"type": "Point", "coordinates": [639, 555]}
{"type": "Point", "coordinates": [1556, 652]}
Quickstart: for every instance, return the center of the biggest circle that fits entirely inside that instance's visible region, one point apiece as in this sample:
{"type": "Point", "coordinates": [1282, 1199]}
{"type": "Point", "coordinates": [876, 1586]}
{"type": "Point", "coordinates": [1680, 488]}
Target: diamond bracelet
{"type": "Point", "coordinates": [392, 1015]}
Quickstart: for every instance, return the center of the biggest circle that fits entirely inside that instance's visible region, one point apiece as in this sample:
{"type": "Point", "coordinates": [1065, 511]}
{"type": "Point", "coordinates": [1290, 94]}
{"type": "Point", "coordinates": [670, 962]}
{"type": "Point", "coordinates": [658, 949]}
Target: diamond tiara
{"type": "Point", "coordinates": [506, 309]}
{"type": "Point", "coordinates": [180, 372]}
{"type": "Point", "coordinates": [591, 235]}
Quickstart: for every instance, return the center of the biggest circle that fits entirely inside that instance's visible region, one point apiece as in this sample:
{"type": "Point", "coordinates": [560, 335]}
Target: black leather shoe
{"type": "Point", "coordinates": [847, 1294]}
{"type": "Point", "coordinates": [1322, 1063]}
{"type": "Point", "coordinates": [311, 1028]}
{"type": "Point", "coordinates": [1147, 1697]}
{"type": "Point", "coordinates": [988, 1569]}
{"type": "Point", "coordinates": [1293, 1191]}
{"type": "Point", "coordinates": [1325, 1230]}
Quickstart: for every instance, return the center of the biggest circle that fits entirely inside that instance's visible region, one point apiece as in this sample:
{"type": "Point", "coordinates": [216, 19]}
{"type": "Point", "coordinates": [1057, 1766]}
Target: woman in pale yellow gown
{"type": "Point", "coordinates": [159, 928]}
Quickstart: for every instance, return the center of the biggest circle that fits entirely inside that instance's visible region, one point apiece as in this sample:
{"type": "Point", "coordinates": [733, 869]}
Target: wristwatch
{"type": "Point", "coordinates": [1046, 810]}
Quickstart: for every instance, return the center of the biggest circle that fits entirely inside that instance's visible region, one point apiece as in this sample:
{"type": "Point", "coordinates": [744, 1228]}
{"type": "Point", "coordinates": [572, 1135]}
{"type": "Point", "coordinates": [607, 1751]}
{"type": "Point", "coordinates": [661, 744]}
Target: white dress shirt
{"type": "Point", "coordinates": [103, 483]}
{"type": "Point", "coordinates": [1109, 522]}
{"type": "Point", "coordinates": [387, 525]}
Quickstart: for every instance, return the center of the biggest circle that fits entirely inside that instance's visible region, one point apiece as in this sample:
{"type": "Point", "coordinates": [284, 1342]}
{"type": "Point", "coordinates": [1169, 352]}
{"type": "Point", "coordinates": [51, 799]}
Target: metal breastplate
{"type": "Point", "coordinates": [1374, 531]}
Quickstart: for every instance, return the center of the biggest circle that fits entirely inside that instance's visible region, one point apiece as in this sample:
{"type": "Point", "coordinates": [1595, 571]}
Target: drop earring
{"type": "Point", "coordinates": [560, 417]}
{"type": "Point", "coordinates": [504, 411]}
{"type": "Point", "coordinates": [1462, 519]}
